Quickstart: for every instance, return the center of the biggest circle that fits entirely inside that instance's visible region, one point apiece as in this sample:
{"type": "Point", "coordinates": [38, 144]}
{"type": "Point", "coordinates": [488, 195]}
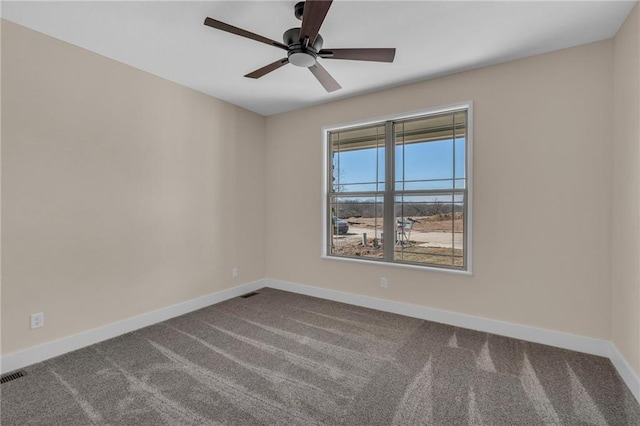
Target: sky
{"type": "Point", "coordinates": [422, 161]}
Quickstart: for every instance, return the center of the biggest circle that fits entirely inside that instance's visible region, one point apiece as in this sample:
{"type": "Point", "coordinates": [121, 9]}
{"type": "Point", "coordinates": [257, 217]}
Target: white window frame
{"type": "Point", "coordinates": [468, 231]}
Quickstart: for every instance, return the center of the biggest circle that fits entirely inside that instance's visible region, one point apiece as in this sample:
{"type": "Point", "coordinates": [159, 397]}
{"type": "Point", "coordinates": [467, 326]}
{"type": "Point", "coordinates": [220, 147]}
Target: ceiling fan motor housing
{"type": "Point", "coordinates": [299, 55]}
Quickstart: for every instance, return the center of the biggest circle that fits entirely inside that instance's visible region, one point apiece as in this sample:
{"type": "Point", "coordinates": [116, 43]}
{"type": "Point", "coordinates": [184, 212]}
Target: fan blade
{"type": "Point", "coordinates": [244, 33]}
{"type": "Point", "coordinates": [324, 78]}
{"type": "Point", "coordinates": [267, 69]}
{"type": "Point", "coordinates": [377, 55]}
{"type": "Point", "coordinates": [312, 19]}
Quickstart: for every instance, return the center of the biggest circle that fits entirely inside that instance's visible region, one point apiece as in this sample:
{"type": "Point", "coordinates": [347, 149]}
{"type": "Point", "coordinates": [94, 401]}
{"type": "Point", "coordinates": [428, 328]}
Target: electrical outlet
{"type": "Point", "coordinates": [37, 320]}
{"type": "Point", "coordinates": [234, 272]}
{"type": "Point", "coordinates": [383, 283]}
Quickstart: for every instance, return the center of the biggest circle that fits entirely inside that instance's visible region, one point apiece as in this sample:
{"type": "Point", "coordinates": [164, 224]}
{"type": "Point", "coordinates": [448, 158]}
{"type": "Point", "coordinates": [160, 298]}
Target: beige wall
{"type": "Point", "coordinates": [542, 209]}
{"type": "Point", "coordinates": [625, 251]}
{"type": "Point", "coordinates": [122, 192]}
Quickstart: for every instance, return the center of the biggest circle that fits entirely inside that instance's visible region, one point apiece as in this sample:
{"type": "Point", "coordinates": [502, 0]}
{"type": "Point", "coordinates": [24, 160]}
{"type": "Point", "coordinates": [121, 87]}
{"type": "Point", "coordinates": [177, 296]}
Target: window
{"type": "Point", "coordinates": [398, 190]}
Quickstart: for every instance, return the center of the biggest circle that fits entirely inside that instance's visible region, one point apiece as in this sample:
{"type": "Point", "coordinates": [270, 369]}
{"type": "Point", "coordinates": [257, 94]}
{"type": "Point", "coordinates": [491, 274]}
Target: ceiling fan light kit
{"type": "Point", "coordinates": [304, 44]}
{"type": "Point", "coordinates": [298, 54]}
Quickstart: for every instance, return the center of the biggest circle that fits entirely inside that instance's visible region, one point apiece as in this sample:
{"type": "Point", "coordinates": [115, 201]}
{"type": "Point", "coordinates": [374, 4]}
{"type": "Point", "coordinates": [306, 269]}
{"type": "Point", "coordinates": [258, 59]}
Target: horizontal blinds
{"type": "Point", "coordinates": [430, 129]}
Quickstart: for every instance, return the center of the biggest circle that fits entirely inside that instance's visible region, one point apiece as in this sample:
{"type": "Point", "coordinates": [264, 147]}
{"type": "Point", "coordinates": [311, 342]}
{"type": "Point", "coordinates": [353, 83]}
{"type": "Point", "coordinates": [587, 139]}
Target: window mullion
{"type": "Point", "coordinates": [389, 202]}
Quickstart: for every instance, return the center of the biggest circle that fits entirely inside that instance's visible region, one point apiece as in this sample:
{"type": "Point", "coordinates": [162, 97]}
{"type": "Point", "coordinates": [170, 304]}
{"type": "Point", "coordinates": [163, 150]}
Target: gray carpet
{"type": "Point", "coordinates": [279, 358]}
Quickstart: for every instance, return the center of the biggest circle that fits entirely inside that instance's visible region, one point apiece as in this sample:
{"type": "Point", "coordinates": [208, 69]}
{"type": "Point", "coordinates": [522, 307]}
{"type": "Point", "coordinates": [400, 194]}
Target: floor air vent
{"type": "Point", "coordinates": [9, 377]}
{"type": "Point", "coordinates": [253, 293]}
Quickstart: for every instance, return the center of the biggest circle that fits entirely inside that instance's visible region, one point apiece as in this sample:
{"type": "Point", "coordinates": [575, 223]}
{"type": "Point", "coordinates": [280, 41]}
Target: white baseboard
{"type": "Point", "coordinates": [523, 332]}
{"type": "Point", "coordinates": [558, 339]}
{"type": "Point", "coordinates": [45, 351]}
{"type": "Point", "coordinates": [630, 377]}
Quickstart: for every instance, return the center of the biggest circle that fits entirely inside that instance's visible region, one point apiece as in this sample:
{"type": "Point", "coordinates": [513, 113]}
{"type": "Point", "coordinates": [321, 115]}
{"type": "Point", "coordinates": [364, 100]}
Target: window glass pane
{"type": "Point", "coordinates": [428, 185]}
{"type": "Point", "coordinates": [399, 156]}
{"type": "Point", "coordinates": [460, 156]}
{"type": "Point", "coordinates": [430, 256]}
{"type": "Point", "coordinates": [357, 226]}
{"type": "Point", "coordinates": [423, 161]}
{"type": "Point", "coordinates": [429, 230]}
{"type": "Point", "coordinates": [358, 160]}
{"type": "Point", "coordinates": [458, 226]}
{"type": "Point", "coordinates": [425, 152]}
{"type": "Point", "coordinates": [428, 129]}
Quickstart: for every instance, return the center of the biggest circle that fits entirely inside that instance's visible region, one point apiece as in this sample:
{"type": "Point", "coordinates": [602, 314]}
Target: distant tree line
{"type": "Point", "coordinates": [355, 208]}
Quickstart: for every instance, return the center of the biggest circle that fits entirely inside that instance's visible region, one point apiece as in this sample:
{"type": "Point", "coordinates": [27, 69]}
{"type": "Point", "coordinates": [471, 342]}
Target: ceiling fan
{"type": "Point", "coordinates": [304, 44]}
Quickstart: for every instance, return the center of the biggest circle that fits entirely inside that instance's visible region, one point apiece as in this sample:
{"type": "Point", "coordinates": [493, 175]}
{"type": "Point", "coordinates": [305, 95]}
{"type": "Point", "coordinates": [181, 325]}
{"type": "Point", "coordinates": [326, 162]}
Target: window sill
{"type": "Point", "coordinates": [398, 265]}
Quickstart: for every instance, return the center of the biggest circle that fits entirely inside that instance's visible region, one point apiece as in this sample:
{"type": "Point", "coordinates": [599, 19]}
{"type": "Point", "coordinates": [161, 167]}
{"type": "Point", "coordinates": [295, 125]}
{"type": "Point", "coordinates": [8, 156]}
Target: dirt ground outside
{"type": "Point", "coordinates": [436, 240]}
{"type": "Point", "coordinates": [436, 223]}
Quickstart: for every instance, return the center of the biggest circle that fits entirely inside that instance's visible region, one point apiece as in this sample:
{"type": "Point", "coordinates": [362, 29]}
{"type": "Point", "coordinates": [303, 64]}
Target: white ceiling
{"type": "Point", "coordinates": [432, 38]}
